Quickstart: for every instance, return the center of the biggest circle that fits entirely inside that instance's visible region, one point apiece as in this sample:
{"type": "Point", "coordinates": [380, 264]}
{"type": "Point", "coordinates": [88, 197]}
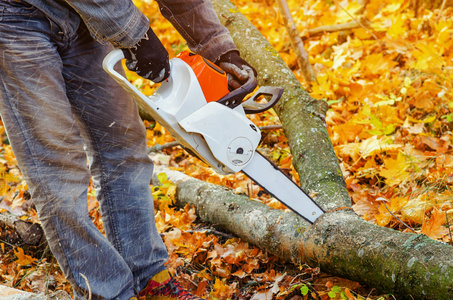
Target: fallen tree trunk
{"type": "Point", "coordinates": [407, 265]}
{"type": "Point", "coordinates": [7, 293]}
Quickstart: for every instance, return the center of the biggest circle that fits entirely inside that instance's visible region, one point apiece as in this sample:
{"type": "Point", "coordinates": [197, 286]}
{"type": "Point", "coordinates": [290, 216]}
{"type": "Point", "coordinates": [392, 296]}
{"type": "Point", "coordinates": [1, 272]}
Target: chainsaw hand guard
{"type": "Point", "coordinates": [252, 107]}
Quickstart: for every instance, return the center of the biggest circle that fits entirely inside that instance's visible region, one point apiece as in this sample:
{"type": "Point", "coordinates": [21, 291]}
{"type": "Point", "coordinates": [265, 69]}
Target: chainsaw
{"type": "Point", "coordinates": [195, 105]}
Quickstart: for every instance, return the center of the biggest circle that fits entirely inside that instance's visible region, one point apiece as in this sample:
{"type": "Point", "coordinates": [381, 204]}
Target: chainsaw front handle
{"type": "Point", "coordinates": [235, 97]}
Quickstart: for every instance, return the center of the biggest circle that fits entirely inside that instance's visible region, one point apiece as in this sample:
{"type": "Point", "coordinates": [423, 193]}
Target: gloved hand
{"type": "Point", "coordinates": [232, 63]}
{"type": "Point", "coordinates": [148, 58]}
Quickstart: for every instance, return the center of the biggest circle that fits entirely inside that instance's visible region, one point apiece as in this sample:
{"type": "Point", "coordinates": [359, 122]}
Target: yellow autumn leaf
{"type": "Point", "coordinates": [375, 145]}
{"type": "Point", "coordinates": [414, 210]}
{"type": "Point", "coordinates": [443, 39]}
{"type": "Point", "coordinates": [221, 290]}
{"type": "Point", "coordinates": [428, 119]}
{"type": "Point", "coordinates": [395, 170]}
{"type": "Point", "coordinates": [377, 64]}
{"type": "Point", "coordinates": [322, 88]}
{"type": "Point", "coordinates": [398, 27]}
{"type": "Point", "coordinates": [345, 15]}
{"type": "Point", "coordinates": [384, 217]}
{"type": "Point", "coordinates": [392, 8]}
{"type": "Point", "coordinates": [426, 59]}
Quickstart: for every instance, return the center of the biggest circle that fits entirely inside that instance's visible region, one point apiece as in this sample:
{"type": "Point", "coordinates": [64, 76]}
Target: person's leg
{"type": "Point", "coordinates": [116, 144]}
{"type": "Point", "coordinates": [46, 141]}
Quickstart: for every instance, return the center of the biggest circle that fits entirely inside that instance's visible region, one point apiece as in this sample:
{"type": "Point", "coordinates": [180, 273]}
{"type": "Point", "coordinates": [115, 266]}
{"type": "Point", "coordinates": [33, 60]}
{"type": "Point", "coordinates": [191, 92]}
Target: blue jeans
{"type": "Point", "coordinates": [59, 109]}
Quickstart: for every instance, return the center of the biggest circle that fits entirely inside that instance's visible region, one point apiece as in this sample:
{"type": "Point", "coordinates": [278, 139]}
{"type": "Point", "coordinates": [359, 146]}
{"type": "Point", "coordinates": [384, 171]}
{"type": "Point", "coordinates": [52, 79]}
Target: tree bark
{"type": "Point", "coordinates": [7, 293]}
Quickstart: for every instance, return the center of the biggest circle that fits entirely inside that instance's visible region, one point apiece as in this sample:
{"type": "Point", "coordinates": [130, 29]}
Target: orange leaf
{"type": "Point", "coordinates": [221, 290]}
{"type": "Point", "coordinates": [24, 259]}
{"type": "Point", "coordinates": [432, 228]}
{"type": "Point", "coordinates": [201, 289]}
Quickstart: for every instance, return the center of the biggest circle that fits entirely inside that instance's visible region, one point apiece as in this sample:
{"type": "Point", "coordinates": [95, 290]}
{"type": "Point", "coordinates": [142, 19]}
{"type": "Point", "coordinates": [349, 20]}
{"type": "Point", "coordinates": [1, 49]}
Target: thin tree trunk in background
{"type": "Point", "coordinates": [296, 42]}
{"type": "Point", "coordinates": [338, 27]}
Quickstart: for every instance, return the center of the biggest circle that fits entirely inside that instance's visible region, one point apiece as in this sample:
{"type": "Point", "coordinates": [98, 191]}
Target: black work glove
{"type": "Point", "coordinates": [232, 63]}
{"type": "Point", "coordinates": [148, 58]}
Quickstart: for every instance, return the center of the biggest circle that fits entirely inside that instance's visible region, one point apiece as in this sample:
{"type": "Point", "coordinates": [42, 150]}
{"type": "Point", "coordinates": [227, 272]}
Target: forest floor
{"type": "Point", "coordinates": [388, 82]}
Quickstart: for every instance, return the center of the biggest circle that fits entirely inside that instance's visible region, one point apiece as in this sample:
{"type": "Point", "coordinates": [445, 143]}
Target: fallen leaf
{"type": "Point", "coordinates": [432, 228]}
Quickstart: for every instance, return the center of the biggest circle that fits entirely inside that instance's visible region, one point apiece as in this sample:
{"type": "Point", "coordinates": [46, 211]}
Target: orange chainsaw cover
{"type": "Point", "coordinates": [212, 79]}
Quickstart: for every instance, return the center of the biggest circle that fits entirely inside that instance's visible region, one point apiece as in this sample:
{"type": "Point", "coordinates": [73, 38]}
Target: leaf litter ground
{"type": "Point", "coordinates": [388, 84]}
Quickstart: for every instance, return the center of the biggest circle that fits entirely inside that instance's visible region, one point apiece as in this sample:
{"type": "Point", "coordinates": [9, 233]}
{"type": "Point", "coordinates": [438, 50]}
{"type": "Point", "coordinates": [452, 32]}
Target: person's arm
{"type": "Point", "coordinates": [198, 24]}
{"type": "Point", "coordinates": [122, 24]}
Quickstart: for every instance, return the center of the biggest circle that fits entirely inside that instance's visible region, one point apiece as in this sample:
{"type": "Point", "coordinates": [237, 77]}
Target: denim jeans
{"type": "Point", "coordinates": [61, 110]}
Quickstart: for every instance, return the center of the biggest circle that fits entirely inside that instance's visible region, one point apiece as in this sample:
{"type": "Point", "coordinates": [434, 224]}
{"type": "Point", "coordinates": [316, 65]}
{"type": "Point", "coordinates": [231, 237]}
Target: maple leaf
{"type": "Point", "coordinates": [427, 59]}
{"type": "Point", "coordinates": [398, 27]}
{"type": "Point", "coordinates": [432, 228]}
{"type": "Point", "coordinates": [377, 64]}
{"type": "Point", "coordinates": [222, 290]}
{"type": "Point", "coordinates": [384, 217]}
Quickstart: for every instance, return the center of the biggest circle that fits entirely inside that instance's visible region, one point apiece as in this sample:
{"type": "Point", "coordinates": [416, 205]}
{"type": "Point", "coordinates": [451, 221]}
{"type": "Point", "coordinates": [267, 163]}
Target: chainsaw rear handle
{"type": "Point", "coordinates": [235, 97]}
{"type": "Point", "coordinates": [109, 63]}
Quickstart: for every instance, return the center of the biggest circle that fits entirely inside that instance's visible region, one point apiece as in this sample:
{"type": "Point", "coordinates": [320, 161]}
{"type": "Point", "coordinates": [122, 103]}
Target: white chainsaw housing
{"type": "Point", "coordinates": [223, 137]}
{"type": "Point", "coordinates": [231, 136]}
